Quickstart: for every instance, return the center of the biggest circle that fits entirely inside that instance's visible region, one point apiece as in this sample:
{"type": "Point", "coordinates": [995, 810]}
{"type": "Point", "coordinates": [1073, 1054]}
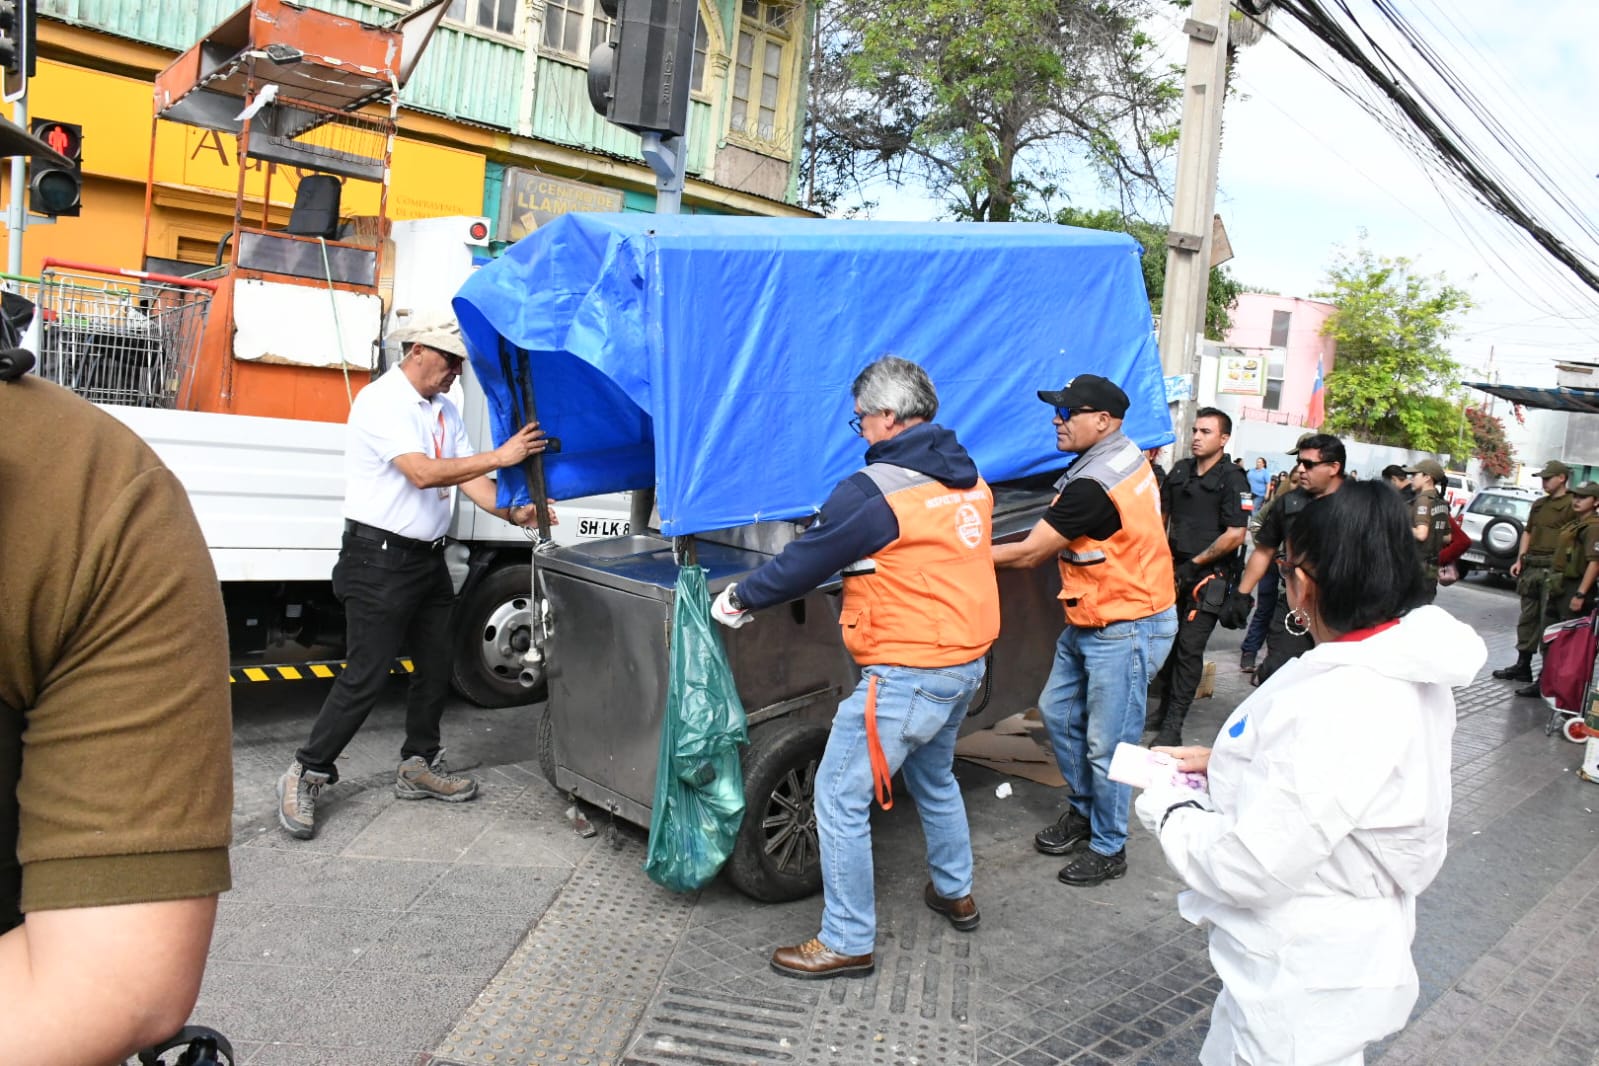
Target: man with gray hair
{"type": "Point", "coordinates": [910, 533]}
{"type": "Point", "coordinates": [405, 451]}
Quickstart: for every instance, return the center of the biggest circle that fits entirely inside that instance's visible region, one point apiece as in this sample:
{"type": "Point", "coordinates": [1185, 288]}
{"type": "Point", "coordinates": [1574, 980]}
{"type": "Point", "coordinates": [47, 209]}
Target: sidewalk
{"type": "Point", "coordinates": [491, 933]}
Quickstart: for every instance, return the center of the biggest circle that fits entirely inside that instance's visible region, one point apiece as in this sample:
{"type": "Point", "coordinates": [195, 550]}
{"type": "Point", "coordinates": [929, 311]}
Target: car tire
{"type": "Point", "coordinates": [493, 625]}
{"type": "Point", "coordinates": [776, 856]}
{"type": "Point", "coordinates": [1495, 557]}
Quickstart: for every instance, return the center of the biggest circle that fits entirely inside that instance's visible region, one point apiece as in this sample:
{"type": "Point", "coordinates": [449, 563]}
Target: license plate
{"type": "Point", "coordinates": [602, 527]}
{"type": "Point", "coordinates": [1474, 557]}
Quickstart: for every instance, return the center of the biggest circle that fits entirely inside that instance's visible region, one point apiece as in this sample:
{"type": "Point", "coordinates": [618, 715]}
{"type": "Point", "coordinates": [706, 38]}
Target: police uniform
{"type": "Point", "coordinates": [1431, 510]}
{"type": "Point", "coordinates": [1199, 508]}
{"type": "Point", "coordinates": [1281, 645]}
{"type": "Point", "coordinates": [1548, 516]}
{"type": "Point", "coordinates": [1578, 545]}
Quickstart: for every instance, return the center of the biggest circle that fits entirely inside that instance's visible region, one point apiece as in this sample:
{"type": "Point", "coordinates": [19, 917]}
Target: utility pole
{"type": "Point", "coordinates": [17, 213]}
{"type": "Point", "coordinates": [1182, 313]}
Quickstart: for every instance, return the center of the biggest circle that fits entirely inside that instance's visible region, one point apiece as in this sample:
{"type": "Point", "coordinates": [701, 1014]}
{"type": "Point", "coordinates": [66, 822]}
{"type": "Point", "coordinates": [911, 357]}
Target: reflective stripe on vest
{"type": "Point", "coordinates": [932, 599]}
{"type": "Point", "coordinates": [1129, 576]}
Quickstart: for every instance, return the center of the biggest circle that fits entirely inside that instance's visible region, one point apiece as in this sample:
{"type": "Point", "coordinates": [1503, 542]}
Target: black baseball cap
{"type": "Point", "coordinates": [1089, 391]}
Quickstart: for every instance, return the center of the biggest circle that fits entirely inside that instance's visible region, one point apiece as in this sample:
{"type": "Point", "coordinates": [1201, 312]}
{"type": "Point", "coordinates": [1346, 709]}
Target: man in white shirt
{"type": "Point", "coordinates": [405, 454]}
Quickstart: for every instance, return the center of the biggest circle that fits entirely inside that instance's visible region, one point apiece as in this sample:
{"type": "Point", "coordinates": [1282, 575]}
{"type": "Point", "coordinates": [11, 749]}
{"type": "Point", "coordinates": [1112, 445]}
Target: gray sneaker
{"type": "Point", "coordinates": [297, 795]}
{"type": "Point", "coordinates": [418, 779]}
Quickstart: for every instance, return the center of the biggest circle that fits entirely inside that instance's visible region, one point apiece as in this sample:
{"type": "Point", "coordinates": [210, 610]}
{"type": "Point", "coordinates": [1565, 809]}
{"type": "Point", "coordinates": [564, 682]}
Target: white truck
{"type": "Point", "coordinates": [268, 493]}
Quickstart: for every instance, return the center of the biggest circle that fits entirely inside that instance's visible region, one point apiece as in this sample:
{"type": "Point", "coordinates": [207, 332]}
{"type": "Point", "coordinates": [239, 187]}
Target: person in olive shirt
{"type": "Point", "coordinates": [1320, 469]}
{"type": "Point", "coordinates": [116, 764]}
{"type": "Point", "coordinates": [1576, 564]}
{"type": "Point", "coordinates": [1531, 571]}
{"type": "Point", "coordinates": [1429, 518]}
{"type": "Point", "coordinates": [1203, 501]}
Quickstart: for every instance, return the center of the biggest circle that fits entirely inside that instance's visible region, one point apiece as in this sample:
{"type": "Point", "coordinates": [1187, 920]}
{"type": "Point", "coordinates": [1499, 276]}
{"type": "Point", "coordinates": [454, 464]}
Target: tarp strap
{"type": "Point", "coordinates": [882, 777]}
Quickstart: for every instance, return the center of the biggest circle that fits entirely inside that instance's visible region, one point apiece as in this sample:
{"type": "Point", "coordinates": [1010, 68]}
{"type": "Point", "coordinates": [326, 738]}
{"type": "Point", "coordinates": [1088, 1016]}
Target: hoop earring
{"type": "Point", "coordinates": [1297, 622]}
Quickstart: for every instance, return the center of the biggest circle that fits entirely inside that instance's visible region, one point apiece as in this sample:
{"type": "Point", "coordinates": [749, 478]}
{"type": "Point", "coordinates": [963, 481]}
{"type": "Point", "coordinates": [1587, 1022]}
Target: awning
{"type": "Point", "coordinates": [1581, 401]}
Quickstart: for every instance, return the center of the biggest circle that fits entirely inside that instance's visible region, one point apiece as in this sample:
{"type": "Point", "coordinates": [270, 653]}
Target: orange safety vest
{"type": "Point", "coordinates": [1129, 576]}
{"type": "Point", "coordinates": [929, 598]}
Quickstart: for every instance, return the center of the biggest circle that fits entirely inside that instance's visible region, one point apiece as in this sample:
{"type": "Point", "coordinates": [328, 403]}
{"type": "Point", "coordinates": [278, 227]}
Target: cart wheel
{"type": "Point", "coordinates": [1575, 731]}
{"type": "Point", "coordinates": [544, 740]}
{"type": "Point", "coordinates": [776, 856]}
{"type": "Point", "coordinates": [494, 627]}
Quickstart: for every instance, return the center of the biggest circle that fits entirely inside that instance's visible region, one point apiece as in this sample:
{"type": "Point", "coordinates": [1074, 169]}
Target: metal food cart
{"type": "Point", "coordinates": [736, 420]}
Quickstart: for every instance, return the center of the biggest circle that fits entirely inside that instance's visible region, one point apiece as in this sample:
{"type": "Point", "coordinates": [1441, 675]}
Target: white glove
{"type": "Point", "coordinates": [1164, 794]}
{"type": "Point", "coordinates": [724, 612]}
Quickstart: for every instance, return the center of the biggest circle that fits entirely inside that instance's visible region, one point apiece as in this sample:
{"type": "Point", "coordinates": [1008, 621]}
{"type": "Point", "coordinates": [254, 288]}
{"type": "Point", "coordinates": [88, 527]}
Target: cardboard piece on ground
{"type": "Point", "coordinates": [1008, 747]}
{"type": "Point", "coordinates": [1207, 683]}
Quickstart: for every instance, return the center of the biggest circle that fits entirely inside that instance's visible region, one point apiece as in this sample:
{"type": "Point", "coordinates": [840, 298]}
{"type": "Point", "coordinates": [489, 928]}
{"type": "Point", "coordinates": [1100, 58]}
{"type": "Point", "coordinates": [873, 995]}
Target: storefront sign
{"type": "Point", "coordinates": [531, 199]}
{"type": "Point", "coordinates": [1241, 375]}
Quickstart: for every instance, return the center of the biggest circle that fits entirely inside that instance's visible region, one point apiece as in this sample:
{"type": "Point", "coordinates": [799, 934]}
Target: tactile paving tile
{"type": "Point", "coordinates": [720, 1029]}
{"type": "Point", "coordinates": [574, 990]}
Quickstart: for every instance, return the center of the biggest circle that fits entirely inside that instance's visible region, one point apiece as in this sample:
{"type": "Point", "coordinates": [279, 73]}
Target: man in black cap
{"type": "Point", "coordinates": [1531, 571]}
{"type": "Point", "coordinates": [1320, 470]}
{"type": "Point", "coordinates": [1429, 517]}
{"type": "Point", "coordinates": [1203, 501]}
{"type": "Point", "coordinates": [1105, 531]}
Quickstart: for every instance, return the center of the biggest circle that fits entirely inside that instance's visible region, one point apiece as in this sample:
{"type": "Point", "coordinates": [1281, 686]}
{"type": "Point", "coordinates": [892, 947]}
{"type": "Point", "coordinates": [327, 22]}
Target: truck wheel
{"type": "Point", "coordinates": [494, 626]}
{"type": "Point", "coordinates": [544, 739]}
{"type": "Point", "coordinates": [776, 856]}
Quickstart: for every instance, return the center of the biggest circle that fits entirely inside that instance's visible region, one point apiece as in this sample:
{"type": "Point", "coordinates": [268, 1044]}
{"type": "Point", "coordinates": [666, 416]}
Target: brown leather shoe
{"type": "Point", "coordinates": [962, 913]}
{"type": "Point", "coordinates": [814, 959]}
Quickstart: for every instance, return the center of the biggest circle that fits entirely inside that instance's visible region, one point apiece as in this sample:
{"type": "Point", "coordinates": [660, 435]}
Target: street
{"type": "Point", "coordinates": [491, 932]}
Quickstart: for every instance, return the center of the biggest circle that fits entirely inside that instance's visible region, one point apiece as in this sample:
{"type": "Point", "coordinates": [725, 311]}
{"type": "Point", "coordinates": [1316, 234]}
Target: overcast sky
{"type": "Point", "coordinates": [1304, 170]}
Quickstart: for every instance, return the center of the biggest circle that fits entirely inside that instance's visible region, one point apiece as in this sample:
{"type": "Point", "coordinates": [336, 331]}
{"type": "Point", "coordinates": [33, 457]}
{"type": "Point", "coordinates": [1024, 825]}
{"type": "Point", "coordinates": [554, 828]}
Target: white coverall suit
{"type": "Point", "coordinates": [1330, 787]}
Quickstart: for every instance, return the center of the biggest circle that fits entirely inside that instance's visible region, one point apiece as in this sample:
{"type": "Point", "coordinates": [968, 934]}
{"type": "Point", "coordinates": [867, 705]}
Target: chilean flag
{"type": "Point", "coordinates": [1318, 400]}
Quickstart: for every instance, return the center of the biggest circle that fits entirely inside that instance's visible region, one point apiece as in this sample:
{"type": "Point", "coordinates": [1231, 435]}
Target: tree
{"type": "Point", "coordinates": [1221, 295]}
{"type": "Point", "coordinates": [1488, 443]}
{"type": "Point", "coordinates": [1393, 382]}
{"type": "Point", "coordinates": [988, 102]}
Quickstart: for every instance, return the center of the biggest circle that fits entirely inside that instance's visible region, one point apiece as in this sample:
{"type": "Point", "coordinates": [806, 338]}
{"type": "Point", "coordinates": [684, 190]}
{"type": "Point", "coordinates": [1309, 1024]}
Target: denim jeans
{"type": "Point", "coordinates": [1095, 699]}
{"type": "Point", "coordinates": [1265, 600]}
{"type": "Point", "coordinates": [919, 713]}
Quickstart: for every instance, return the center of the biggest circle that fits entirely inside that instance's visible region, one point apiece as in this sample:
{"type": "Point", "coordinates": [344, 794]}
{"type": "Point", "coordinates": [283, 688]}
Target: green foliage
{"type": "Point", "coordinates": [1220, 297]}
{"type": "Point", "coordinates": [991, 103]}
{"type": "Point", "coordinates": [1393, 382]}
{"type": "Point", "coordinates": [1488, 443]}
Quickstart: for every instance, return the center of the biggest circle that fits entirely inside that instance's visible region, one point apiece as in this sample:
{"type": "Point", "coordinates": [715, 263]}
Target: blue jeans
{"type": "Point", "coordinates": [1095, 699]}
{"type": "Point", "coordinates": [1260, 621]}
{"type": "Point", "coordinates": [919, 713]}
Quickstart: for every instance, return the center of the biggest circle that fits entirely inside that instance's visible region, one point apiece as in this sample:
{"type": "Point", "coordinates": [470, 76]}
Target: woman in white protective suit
{"type": "Point", "coordinates": [1328, 799]}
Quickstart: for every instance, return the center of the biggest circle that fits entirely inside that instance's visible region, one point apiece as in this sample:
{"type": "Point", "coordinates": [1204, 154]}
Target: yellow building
{"type": "Point", "coordinates": [496, 121]}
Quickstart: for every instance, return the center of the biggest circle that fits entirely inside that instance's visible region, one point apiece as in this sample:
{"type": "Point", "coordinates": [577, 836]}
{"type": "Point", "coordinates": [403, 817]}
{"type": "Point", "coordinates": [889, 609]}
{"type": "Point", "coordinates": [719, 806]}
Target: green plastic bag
{"type": "Point", "coordinates": [699, 787]}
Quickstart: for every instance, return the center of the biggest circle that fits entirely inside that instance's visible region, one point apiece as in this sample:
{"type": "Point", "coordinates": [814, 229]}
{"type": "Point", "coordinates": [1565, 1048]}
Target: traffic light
{"type": "Point", "coordinates": [16, 45]}
{"type": "Point", "coordinates": [640, 77]}
{"type": "Point", "coordinates": [55, 190]}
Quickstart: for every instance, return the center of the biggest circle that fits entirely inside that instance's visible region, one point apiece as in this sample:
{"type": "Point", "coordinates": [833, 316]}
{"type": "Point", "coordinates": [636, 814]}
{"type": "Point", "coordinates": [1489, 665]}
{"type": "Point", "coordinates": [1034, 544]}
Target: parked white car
{"type": "Point", "coordinates": [1494, 520]}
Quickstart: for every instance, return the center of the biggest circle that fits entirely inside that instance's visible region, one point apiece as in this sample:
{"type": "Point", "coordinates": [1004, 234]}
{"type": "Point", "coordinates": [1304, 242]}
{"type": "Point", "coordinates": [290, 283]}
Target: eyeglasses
{"type": "Point", "coordinates": [1311, 464]}
{"type": "Point", "coordinates": [1066, 414]}
{"type": "Point", "coordinates": [855, 424]}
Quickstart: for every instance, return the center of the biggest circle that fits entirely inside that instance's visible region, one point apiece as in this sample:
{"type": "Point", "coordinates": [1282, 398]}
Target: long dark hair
{"type": "Point", "coordinates": [1358, 545]}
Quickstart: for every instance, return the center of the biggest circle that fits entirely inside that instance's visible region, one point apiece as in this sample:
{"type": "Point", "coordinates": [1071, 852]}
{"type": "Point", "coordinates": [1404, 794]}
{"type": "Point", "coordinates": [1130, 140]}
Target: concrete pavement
{"type": "Point", "coordinates": [490, 932]}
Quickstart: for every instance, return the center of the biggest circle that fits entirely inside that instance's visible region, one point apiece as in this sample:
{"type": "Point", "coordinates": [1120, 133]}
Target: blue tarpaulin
{"type": "Point", "coordinates": [712, 356]}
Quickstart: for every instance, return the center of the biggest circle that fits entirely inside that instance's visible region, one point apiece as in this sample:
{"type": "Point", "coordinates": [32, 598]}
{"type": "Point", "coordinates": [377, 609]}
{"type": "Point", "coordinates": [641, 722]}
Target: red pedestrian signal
{"type": "Point", "coordinates": [53, 190]}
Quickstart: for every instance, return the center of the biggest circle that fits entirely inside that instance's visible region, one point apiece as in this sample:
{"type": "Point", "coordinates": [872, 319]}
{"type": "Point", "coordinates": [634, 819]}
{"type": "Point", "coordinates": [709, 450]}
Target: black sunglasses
{"type": "Point", "coordinates": [1311, 464]}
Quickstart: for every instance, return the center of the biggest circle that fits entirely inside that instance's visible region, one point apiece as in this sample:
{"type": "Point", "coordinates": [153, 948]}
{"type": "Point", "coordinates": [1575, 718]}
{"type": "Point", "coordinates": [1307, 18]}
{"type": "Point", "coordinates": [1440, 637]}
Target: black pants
{"type": "Point", "coordinates": [394, 598]}
{"type": "Point", "coordinates": [1186, 663]}
{"type": "Point", "coordinates": [1281, 645]}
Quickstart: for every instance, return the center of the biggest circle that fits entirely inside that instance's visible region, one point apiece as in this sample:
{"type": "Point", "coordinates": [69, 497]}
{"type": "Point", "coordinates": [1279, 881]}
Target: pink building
{"type": "Point", "coordinates": [1284, 332]}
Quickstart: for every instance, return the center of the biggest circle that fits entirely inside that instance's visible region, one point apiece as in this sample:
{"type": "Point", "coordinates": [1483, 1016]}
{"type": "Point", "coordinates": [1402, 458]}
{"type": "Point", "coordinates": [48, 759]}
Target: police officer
{"type": "Point", "coordinates": [1203, 501]}
{"type": "Point", "coordinates": [1576, 562]}
{"type": "Point", "coordinates": [1429, 520]}
{"type": "Point", "coordinates": [1531, 571]}
{"type": "Point", "coordinates": [1320, 470]}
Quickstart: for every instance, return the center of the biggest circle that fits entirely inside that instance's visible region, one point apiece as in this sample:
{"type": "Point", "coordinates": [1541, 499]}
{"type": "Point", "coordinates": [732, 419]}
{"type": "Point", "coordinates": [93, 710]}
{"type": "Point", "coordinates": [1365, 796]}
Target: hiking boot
{"type": "Point", "coordinates": [962, 913]}
{"type": "Point", "coordinates": [298, 790]}
{"type": "Point", "coordinates": [1069, 832]}
{"type": "Point", "coordinates": [1530, 689]}
{"type": "Point", "coordinates": [1092, 868]}
{"type": "Point", "coordinates": [418, 779]}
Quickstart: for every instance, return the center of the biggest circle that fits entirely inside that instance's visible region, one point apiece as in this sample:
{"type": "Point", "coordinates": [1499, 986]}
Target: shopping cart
{"type": "Point", "coordinates": [120, 336]}
{"type": "Point", "coordinates": [1567, 680]}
